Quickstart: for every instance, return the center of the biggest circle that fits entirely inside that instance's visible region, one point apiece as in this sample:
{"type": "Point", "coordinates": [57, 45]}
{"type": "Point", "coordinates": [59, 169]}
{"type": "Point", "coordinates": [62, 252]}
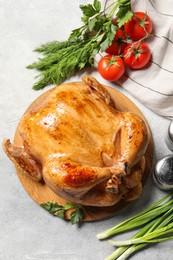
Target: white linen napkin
{"type": "Point", "coordinates": [153, 86]}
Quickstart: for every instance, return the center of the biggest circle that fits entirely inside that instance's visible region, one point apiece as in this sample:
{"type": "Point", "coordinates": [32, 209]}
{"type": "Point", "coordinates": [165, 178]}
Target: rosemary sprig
{"type": "Point", "coordinates": [61, 60]}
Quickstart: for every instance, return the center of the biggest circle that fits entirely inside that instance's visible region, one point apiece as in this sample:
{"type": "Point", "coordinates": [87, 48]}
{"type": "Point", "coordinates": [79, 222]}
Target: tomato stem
{"type": "Point", "coordinates": [113, 61]}
{"type": "Point", "coordinates": [142, 22]}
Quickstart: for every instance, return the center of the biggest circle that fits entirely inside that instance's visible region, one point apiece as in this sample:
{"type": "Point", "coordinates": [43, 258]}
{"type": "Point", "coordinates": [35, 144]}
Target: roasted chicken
{"type": "Point", "coordinates": [81, 146]}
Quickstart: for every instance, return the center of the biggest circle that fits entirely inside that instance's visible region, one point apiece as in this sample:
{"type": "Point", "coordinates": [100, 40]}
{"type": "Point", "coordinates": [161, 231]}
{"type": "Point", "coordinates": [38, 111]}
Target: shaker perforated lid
{"type": "Point", "coordinates": [163, 173]}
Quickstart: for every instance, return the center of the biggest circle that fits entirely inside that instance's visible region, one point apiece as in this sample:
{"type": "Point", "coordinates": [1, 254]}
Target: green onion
{"type": "Point", "coordinates": [140, 219]}
{"type": "Point", "coordinates": [157, 229]}
{"type": "Point", "coordinates": [154, 225]}
{"type": "Point", "coordinates": [121, 250]}
{"type": "Point", "coordinates": [148, 238]}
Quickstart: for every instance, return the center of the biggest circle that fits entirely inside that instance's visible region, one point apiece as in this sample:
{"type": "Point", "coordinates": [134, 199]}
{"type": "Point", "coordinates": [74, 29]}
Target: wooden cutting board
{"type": "Point", "coordinates": [41, 193]}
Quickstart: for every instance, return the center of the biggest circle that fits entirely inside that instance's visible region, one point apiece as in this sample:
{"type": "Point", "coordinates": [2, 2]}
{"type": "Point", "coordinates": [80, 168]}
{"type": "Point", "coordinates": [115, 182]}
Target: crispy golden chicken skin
{"type": "Point", "coordinates": [85, 150]}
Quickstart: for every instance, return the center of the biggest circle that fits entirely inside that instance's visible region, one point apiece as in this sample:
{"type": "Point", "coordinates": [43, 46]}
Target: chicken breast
{"type": "Point", "coordinates": [81, 146]}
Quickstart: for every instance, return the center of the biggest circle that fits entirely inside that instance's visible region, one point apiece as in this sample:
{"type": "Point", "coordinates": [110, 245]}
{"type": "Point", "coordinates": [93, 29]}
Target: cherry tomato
{"type": "Point", "coordinates": [118, 45]}
{"type": "Point", "coordinates": [139, 26]}
{"type": "Point", "coordinates": [137, 55]}
{"type": "Point", "coordinates": [111, 67]}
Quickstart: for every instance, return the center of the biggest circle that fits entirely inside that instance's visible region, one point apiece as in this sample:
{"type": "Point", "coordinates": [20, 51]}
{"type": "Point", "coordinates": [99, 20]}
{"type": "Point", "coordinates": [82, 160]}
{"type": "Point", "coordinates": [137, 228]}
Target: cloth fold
{"type": "Point", "coordinates": [153, 86]}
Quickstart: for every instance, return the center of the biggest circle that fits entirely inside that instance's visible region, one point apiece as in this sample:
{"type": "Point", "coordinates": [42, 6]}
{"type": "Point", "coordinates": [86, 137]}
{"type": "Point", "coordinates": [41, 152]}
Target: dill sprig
{"type": "Point", "coordinates": [63, 59]}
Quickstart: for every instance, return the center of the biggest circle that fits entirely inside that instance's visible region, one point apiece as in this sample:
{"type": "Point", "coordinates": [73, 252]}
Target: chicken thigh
{"type": "Point", "coordinates": [81, 146]}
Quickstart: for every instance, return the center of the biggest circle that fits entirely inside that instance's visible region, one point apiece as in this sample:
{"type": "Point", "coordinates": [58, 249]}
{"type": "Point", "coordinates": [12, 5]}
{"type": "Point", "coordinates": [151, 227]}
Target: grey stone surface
{"type": "Point", "coordinates": [27, 232]}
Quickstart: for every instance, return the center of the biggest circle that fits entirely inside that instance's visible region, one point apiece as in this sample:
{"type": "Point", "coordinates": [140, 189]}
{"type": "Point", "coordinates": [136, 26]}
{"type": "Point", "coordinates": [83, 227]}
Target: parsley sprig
{"type": "Point", "coordinates": [63, 59]}
{"type": "Point", "coordinates": [58, 210]}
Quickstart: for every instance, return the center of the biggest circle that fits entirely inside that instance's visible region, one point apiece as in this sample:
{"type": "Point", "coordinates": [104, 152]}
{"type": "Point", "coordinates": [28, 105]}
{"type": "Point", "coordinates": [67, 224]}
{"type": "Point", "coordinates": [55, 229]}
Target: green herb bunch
{"type": "Point", "coordinates": [61, 60]}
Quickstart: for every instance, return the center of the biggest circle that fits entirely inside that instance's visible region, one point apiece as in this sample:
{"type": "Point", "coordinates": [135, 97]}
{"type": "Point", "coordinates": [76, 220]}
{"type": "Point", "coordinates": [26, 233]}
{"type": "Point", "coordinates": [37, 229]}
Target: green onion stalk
{"type": "Point", "coordinates": [157, 222]}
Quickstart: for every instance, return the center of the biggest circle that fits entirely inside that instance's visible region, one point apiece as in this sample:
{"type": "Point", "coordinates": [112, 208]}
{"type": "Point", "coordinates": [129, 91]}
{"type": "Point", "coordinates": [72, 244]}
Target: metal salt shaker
{"type": "Point", "coordinates": [169, 137]}
{"type": "Point", "coordinates": [163, 173]}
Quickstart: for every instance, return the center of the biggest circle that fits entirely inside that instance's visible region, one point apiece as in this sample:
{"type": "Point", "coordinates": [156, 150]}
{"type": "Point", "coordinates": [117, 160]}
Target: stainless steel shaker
{"type": "Point", "coordinates": [163, 171]}
{"type": "Point", "coordinates": [169, 137]}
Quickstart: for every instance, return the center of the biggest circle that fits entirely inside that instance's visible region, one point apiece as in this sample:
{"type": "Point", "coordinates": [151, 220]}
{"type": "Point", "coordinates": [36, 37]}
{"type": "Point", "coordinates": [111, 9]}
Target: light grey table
{"type": "Point", "coordinates": [27, 232]}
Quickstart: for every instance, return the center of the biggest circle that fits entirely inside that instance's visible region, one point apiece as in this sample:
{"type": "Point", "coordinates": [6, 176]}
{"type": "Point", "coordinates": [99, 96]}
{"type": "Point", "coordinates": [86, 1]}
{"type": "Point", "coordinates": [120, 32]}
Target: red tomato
{"type": "Point", "coordinates": [118, 45]}
{"type": "Point", "coordinates": [111, 67]}
{"type": "Point", "coordinates": [137, 55]}
{"type": "Point", "coordinates": [139, 26]}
